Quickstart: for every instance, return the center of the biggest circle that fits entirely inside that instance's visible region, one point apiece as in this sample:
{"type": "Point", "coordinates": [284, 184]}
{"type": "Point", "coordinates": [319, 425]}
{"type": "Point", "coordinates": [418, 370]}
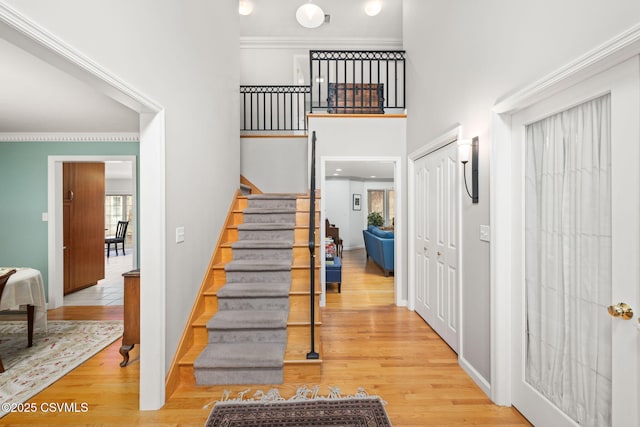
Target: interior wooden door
{"type": "Point", "coordinates": [83, 222]}
{"type": "Point", "coordinates": [436, 279]}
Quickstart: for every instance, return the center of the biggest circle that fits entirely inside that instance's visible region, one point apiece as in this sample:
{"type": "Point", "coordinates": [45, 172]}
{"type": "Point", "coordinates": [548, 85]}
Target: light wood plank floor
{"type": "Point", "coordinates": [367, 342]}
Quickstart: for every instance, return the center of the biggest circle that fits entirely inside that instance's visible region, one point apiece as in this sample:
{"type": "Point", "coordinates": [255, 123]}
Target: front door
{"type": "Point", "coordinates": [577, 159]}
{"type": "Point", "coordinates": [436, 241]}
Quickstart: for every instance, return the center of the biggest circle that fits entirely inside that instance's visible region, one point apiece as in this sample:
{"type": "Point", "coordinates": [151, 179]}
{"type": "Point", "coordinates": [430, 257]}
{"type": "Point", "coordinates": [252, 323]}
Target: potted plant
{"type": "Point", "coordinates": [375, 218]}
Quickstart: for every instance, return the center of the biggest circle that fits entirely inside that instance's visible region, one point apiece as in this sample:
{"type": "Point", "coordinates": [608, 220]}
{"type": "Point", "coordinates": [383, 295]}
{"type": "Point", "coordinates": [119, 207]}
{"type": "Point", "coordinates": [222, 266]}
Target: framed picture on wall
{"type": "Point", "coordinates": [356, 202]}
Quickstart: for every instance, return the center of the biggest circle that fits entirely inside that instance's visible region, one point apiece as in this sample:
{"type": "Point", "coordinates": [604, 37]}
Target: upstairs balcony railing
{"type": "Point", "coordinates": [342, 82]}
{"type": "Point", "coordinates": [274, 108]}
{"type": "Point", "coordinates": [357, 81]}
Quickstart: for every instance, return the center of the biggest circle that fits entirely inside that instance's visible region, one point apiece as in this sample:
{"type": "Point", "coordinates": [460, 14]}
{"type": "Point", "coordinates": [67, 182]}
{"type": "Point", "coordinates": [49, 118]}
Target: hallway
{"type": "Point", "coordinates": [366, 342]}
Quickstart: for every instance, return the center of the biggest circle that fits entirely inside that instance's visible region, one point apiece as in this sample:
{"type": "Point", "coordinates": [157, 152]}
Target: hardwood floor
{"type": "Point", "coordinates": [367, 342]}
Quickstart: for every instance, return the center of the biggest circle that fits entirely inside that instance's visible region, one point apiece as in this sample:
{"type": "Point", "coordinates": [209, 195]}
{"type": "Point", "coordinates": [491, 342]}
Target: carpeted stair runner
{"type": "Point", "coordinates": [248, 334]}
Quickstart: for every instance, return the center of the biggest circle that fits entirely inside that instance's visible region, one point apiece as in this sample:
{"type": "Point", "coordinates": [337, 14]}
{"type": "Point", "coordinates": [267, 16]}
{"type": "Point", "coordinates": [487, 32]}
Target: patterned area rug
{"type": "Point", "coordinates": [306, 408]}
{"type": "Point", "coordinates": [317, 413]}
{"type": "Point", "coordinates": [66, 345]}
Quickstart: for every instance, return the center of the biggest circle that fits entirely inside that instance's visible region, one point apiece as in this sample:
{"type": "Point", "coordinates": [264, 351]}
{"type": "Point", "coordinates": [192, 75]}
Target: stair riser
{"type": "Point", "coordinates": [274, 218]}
{"type": "Point", "coordinates": [272, 204]}
{"type": "Point", "coordinates": [299, 279]}
{"type": "Point", "coordinates": [253, 304]}
{"type": "Point", "coordinates": [300, 254]}
{"type": "Point", "coordinates": [301, 218]}
{"type": "Point", "coordinates": [239, 376]}
{"type": "Point", "coordinates": [278, 235]}
{"type": "Point", "coordinates": [258, 276]}
{"type": "Point", "coordinates": [253, 335]}
{"type": "Point", "coordinates": [262, 254]}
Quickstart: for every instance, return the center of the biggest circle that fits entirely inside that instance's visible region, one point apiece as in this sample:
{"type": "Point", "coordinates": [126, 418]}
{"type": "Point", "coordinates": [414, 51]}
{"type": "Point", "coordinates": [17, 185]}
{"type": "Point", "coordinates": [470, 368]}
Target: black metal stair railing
{"type": "Point", "coordinates": [312, 249]}
{"type": "Point", "coordinates": [357, 81]}
{"type": "Point", "coordinates": [274, 107]}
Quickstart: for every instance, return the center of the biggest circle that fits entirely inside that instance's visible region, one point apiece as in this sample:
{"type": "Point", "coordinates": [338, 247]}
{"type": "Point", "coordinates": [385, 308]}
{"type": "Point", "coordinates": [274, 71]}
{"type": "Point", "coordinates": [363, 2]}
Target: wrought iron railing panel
{"type": "Point", "coordinates": [274, 107]}
{"type": "Point", "coordinates": [376, 77]}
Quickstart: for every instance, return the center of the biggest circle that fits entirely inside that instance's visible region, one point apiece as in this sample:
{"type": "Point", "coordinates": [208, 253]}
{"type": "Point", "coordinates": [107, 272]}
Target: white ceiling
{"type": "Point", "coordinates": [37, 97]}
{"type": "Point", "coordinates": [348, 21]}
{"type": "Point", "coordinates": [372, 170]}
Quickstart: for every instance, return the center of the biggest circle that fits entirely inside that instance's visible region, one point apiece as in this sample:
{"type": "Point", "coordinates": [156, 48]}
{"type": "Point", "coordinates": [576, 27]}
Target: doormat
{"type": "Point", "coordinates": [301, 410]}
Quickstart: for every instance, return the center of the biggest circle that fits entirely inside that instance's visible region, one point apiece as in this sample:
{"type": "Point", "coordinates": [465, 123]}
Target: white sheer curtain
{"type": "Point", "coordinates": [568, 260]}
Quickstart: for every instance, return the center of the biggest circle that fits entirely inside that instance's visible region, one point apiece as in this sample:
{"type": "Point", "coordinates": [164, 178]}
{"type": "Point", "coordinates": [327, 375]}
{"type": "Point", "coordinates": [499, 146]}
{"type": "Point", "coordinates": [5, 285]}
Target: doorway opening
{"type": "Point", "coordinates": [347, 185]}
{"type": "Point", "coordinates": [120, 203]}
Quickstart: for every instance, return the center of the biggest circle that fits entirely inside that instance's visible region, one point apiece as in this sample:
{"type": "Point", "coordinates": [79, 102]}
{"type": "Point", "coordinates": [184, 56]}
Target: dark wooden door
{"type": "Point", "coordinates": [83, 222]}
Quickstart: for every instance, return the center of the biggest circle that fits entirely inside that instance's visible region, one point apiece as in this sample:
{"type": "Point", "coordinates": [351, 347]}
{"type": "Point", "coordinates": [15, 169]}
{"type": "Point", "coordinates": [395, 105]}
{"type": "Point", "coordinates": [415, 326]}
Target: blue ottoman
{"type": "Point", "coordinates": [333, 272]}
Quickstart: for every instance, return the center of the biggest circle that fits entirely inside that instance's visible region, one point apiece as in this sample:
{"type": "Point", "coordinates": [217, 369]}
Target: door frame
{"type": "Point", "coordinates": [453, 134]}
{"type": "Point", "coordinates": [399, 298]}
{"type": "Point", "coordinates": [18, 29]}
{"type": "Point", "coordinates": [504, 198]}
{"type": "Point", "coordinates": [55, 228]}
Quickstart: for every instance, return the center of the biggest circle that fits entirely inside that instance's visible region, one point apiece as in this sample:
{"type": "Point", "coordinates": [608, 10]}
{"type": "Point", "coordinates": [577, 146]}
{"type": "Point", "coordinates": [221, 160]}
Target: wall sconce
{"type": "Point", "coordinates": [468, 148]}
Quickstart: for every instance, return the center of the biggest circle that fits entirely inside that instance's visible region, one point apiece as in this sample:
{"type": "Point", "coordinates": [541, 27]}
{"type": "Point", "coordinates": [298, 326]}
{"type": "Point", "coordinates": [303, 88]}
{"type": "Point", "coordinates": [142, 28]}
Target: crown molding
{"type": "Point", "coordinates": [45, 45]}
{"type": "Point", "coordinates": [319, 43]}
{"type": "Point", "coordinates": [69, 137]}
{"type": "Point", "coordinates": [615, 50]}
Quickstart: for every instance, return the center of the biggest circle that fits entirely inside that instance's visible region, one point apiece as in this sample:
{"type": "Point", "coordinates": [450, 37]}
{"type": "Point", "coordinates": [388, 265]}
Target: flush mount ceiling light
{"type": "Point", "coordinates": [373, 7]}
{"type": "Point", "coordinates": [245, 7]}
{"type": "Point", "coordinates": [310, 15]}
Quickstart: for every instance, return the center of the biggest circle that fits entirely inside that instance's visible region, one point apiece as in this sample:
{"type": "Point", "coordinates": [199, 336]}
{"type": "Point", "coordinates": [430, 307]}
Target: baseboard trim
{"type": "Point", "coordinates": [475, 376]}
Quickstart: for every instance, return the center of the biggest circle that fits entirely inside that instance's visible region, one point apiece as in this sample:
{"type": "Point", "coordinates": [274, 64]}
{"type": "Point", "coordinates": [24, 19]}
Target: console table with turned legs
{"type": "Point", "coordinates": [131, 334]}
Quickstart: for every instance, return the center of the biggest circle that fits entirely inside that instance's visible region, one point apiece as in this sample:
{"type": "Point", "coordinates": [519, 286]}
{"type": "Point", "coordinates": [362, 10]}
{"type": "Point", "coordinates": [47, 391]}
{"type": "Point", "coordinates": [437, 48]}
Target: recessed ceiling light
{"type": "Point", "coordinates": [245, 7]}
{"type": "Point", "coordinates": [338, 170]}
{"type": "Point", "coordinates": [373, 7]}
{"type": "Point", "coordinates": [373, 176]}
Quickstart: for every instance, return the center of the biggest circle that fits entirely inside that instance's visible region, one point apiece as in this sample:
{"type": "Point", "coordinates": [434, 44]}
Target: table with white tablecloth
{"type": "Point", "coordinates": [26, 287]}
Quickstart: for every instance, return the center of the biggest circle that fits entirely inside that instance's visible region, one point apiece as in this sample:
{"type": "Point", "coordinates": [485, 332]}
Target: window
{"type": "Point", "coordinates": [382, 201]}
{"type": "Point", "coordinates": [116, 208]}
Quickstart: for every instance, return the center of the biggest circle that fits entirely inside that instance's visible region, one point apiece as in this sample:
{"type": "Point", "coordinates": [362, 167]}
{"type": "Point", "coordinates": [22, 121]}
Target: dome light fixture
{"type": "Point", "coordinates": [310, 15]}
{"type": "Point", "coordinates": [373, 7]}
{"type": "Point", "coordinates": [245, 7]}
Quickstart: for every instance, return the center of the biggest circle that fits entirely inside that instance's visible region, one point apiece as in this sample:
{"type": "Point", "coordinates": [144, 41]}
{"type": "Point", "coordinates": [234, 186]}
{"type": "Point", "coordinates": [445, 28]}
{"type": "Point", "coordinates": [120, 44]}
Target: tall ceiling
{"type": "Point", "coordinates": [37, 97]}
{"type": "Point", "coordinates": [347, 20]}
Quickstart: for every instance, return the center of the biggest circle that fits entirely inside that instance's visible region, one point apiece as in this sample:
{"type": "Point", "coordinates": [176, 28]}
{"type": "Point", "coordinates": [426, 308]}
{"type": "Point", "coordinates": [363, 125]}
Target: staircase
{"type": "Point", "coordinates": [248, 334]}
{"type": "Point", "coordinates": [250, 322]}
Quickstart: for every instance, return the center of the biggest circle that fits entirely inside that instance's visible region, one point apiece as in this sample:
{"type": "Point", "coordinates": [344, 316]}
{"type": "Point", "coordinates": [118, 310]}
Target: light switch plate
{"type": "Point", "coordinates": [485, 233]}
{"type": "Point", "coordinates": [45, 216]}
{"type": "Point", "coordinates": [179, 234]}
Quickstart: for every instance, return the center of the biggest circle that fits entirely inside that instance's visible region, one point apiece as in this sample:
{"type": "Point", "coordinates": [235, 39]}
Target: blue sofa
{"type": "Point", "coordinates": [379, 246]}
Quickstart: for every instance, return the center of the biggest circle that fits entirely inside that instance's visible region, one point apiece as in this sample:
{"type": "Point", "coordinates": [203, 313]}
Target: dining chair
{"type": "Point", "coordinates": [3, 281]}
{"type": "Point", "coordinates": [121, 234]}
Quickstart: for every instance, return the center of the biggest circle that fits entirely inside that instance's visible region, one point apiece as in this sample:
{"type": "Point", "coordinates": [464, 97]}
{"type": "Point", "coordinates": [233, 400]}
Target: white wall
{"type": "Point", "coordinates": [275, 165]}
{"type": "Point", "coordinates": [483, 51]}
{"type": "Point", "coordinates": [338, 195]}
{"type": "Point", "coordinates": [185, 56]}
{"type": "Point", "coordinates": [115, 186]}
{"type": "Point", "coordinates": [365, 137]}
